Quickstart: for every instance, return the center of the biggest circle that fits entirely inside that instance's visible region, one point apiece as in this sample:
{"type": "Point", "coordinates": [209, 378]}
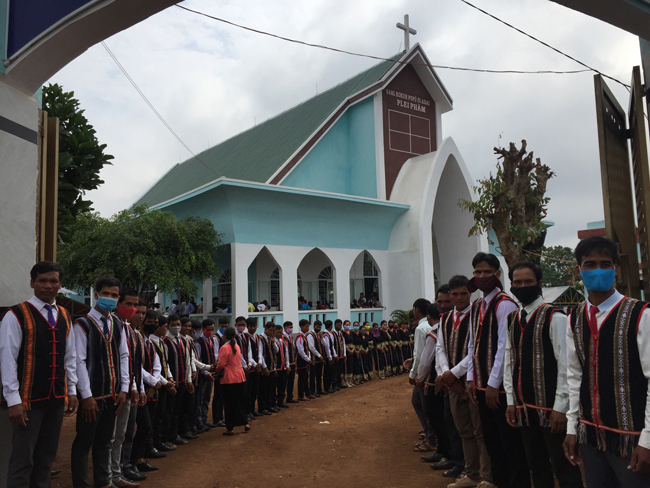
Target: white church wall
{"type": "Point", "coordinates": [379, 145]}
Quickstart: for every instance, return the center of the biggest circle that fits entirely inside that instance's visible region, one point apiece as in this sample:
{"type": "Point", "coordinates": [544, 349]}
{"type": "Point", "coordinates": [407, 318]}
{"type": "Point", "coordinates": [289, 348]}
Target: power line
{"type": "Point", "coordinates": [379, 58]}
{"type": "Point", "coordinates": [545, 44]}
{"type": "Point", "coordinates": [153, 109]}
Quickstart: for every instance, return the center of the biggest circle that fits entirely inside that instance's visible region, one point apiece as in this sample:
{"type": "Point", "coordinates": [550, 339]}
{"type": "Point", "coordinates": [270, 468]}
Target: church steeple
{"type": "Point", "coordinates": [407, 31]}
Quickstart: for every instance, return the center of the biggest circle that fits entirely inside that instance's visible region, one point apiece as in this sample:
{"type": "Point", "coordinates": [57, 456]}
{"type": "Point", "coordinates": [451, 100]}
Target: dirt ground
{"type": "Point", "coordinates": [367, 443]}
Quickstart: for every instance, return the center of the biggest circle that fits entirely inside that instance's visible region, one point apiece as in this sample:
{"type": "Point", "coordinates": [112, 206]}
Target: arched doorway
{"type": "Point", "coordinates": [364, 277]}
{"type": "Point", "coordinates": [316, 279]}
{"type": "Point", "coordinates": [264, 278]}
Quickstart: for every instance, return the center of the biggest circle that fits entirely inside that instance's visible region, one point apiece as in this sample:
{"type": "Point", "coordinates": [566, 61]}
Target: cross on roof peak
{"type": "Point", "coordinates": [407, 30]}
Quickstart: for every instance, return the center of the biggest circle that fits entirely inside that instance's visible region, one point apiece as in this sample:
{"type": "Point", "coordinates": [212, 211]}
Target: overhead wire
{"type": "Point", "coordinates": [379, 58]}
{"type": "Point", "coordinates": [153, 109]}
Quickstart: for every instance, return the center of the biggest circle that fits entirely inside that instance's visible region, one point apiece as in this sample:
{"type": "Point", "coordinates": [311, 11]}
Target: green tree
{"type": "Point", "coordinates": [513, 204]}
{"type": "Point", "coordinates": [558, 266]}
{"type": "Point", "coordinates": [81, 156]}
{"type": "Point", "coordinates": [400, 316]}
{"type": "Point", "coordinates": [148, 250]}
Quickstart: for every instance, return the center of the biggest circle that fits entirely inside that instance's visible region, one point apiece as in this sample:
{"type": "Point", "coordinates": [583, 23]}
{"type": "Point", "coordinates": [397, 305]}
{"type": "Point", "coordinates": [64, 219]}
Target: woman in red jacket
{"type": "Point", "coordinates": [232, 383]}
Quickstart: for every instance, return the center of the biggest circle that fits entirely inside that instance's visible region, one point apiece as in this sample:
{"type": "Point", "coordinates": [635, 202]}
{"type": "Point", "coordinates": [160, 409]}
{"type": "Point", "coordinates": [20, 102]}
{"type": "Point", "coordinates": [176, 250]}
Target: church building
{"type": "Point", "coordinates": [353, 191]}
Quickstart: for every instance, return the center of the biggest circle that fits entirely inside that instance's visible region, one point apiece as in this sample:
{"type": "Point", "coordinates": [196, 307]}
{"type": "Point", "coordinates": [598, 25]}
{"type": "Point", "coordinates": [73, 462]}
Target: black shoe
{"type": "Point", "coordinates": [337, 387]}
{"type": "Point", "coordinates": [145, 466]}
{"type": "Point", "coordinates": [179, 441]}
{"type": "Point", "coordinates": [315, 395]}
{"type": "Point", "coordinates": [251, 417]}
{"type": "Point", "coordinates": [208, 425]}
{"type": "Point", "coordinates": [165, 447]}
{"type": "Point", "coordinates": [221, 423]}
{"type": "Point", "coordinates": [55, 472]}
{"type": "Point", "coordinates": [132, 475]}
{"type": "Point", "coordinates": [454, 472]}
{"type": "Point", "coordinates": [265, 412]}
{"type": "Point", "coordinates": [444, 463]}
{"type": "Point", "coordinates": [257, 414]}
{"type": "Point", "coordinates": [322, 393]}
{"type": "Point", "coordinates": [292, 401]}
{"type": "Point", "coordinates": [343, 386]}
{"type": "Point", "coordinates": [194, 431]}
{"type": "Point", "coordinates": [201, 429]}
{"type": "Point", "coordinates": [188, 436]}
{"type": "Point", "coordinates": [432, 458]}
{"type": "Point", "coordinates": [331, 390]}
{"type": "Point", "coordinates": [155, 454]}
{"type": "Point", "coordinates": [284, 405]}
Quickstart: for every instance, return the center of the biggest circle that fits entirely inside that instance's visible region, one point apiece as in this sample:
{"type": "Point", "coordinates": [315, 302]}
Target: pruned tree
{"type": "Point", "coordinates": [513, 203]}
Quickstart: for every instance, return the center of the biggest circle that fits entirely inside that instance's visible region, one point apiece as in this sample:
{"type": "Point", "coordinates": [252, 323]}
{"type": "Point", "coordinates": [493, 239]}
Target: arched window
{"type": "Point", "coordinates": [275, 287]}
{"type": "Point", "coordinates": [369, 268]}
{"type": "Point", "coordinates": [326, 286]}
{"type": "Point", "coordinates": [223, 288]}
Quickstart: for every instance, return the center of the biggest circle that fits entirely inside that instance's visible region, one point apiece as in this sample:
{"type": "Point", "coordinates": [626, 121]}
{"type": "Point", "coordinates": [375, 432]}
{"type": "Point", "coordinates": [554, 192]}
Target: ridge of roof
{"type": "Point", "coordinates": [258, 152]}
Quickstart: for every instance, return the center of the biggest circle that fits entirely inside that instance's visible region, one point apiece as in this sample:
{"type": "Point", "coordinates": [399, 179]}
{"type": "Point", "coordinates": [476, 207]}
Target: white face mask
{"type": "Point", "coordinates": [196, 334]}
{"type": "Point", "coordinates": [175, 330]}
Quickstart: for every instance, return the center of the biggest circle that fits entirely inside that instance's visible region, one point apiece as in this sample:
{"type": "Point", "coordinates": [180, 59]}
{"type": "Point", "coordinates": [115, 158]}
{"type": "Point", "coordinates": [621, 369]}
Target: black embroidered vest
{"type": "Point", "coordinates": [176, 358]}
{"type": "Point", "coordinates": [455, 337]}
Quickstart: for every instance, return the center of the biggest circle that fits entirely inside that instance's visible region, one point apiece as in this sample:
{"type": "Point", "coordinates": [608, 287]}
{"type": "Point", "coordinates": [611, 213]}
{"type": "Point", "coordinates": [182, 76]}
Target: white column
{"type": "Point", "coordinates": [207, 297]}
{"type": "Point", "coordinates": [289, 291]}
{"type": "Point", "coordinates": [241, 257]}
{"type": "Point", "coordinates": [342, 259]}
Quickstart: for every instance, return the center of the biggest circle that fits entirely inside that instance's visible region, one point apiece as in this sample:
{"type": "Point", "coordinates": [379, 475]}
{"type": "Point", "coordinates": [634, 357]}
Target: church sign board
{"type": "Point", "coordinates": [409, 122]}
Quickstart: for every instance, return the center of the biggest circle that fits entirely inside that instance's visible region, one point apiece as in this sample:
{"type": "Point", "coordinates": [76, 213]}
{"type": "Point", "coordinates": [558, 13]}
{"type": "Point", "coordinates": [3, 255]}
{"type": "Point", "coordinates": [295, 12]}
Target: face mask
{"type": "Point", "coordinates": [346, 327]}
{"type": "Point", "coordinates": [404, 327]}
{"type": "Point", "coordinates": [486, 285]}
{"type": "Point", "coordinates": [150, 328]}
{"type": "Point", "coordinates": [196, 334]}
{"type": "Point", "coordinates": [126, 312]}
{"type": "Point", "coordinates": [289, 330]}
{"type": "Point", "coordinates": [445, 309]}
{"type": "Point", "coordinates": [241, 329]}
{"type": "Point", "coordinates": [222, 330]}
{"type": "Point", "coordinates": [355, 328]}
{"type": "Point", "coordinates": [106, 304]}
{"type": "Point", "coordinates": [526, 294]}
{"type": "Point", "coordinates": [598, 279]}
{"type": "Point", "coordinates": [207, 333]}
{"type": "Point", "coordinates": [175, 330]}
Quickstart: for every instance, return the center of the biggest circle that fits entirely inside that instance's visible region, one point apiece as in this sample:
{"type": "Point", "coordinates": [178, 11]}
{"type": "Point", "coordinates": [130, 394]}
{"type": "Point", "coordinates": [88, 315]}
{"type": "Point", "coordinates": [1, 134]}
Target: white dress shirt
{"type": "Point", "coordinates": [420, 338]}
{"type": "Point", "coordinates": [251, 362]}
{"type": "Point", "coordinates": [574, 372]}
{"type": "Point", "coordinates": [442, 362]}
{"type": "Point", "coordinates": [11, 338]}
{"type": "Point", "coordinates": [81, 343]}
{"type": "Point", "coordinates": [163, 374]}
{"type": "Point", "coordinates": [305, 355]}
{"type": "Point", "coordinates": [153, 378]}
{"type": "Point", "coordinates": [557, 331]}
{"type": "Point", "coordinates": [260, 350]}
{"type": "Point", "coordinates": [328, 345]}
{"type": "Point", "coordinates": [311, 342]}
{"type": "Point", "coordinates": [339, 337]}
{"type": "Point", "coordinates": [504, 308]}
{"type": "Point", "coordinates": [428, 352]}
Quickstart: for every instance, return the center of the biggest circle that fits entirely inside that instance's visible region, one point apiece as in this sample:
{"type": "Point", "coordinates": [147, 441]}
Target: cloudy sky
{"type": "Point", "coordinates": [211, 81]}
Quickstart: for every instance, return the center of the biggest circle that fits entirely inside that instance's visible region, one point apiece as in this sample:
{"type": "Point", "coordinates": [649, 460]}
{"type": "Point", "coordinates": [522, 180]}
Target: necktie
{"type": "Point", "coordinates": [593, 321]}
{"type": "Point", "coordinates": [107, 331]}
{"type": "Point", "coordinates": [524, 316]}
{"type": "Point", "coordinates": [50, 316]}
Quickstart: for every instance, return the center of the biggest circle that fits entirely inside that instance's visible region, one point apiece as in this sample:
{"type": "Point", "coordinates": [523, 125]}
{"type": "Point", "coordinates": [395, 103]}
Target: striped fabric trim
{"type": "Point", "coordinates": [29, 353]}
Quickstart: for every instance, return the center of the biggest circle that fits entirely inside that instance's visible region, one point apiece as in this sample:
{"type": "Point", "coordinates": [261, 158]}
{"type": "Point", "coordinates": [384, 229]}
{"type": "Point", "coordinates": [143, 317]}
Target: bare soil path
{"type": "Point", "coordinates": [368, 442]}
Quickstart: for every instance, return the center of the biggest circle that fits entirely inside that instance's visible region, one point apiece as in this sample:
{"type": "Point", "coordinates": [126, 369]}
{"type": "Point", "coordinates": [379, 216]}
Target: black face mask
{"type": "Point", "coordinates": [150, 328]}
{"type": "Point", "coordinates": [526, 294]}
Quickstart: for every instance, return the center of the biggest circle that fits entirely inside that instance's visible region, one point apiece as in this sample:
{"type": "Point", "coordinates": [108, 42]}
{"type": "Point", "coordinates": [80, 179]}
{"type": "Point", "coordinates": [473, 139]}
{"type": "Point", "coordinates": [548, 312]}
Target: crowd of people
{"type": "Point", "coordinates": [517, 394]}
{"type": "Point", "coordinates": [507, 395]}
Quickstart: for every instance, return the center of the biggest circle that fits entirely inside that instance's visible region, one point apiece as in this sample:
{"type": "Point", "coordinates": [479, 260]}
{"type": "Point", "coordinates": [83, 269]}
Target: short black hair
{"type": "Point", "coordinates": [443, 289]}
{"type": "Point", "coordinates": [207, 323]}
{"type": "Point", "coordinates": [303, 322]}
{"type": "Point", "coordinates": [490, 259]}
{"type": "Point", "coordinates": [526, 264]}
{"type": "Point", "coordinates": [184, 320]}
{"type": "Point", "coordinates": [288, 324]}
{"type": "Point", "coordinates": [411, 314]}
{"type": "Point", "coordinates": [45, 267]}
{"type": "Point", "coordinates": [268, 325]}
{"type": "Point", "coordinates": [173, 318]}
{"type": "Point", "coordinates": [597, 243]}
{"type": "Point", "coordinates": [224, 320]}
{"type": "Point", "coordinates": [142, 303]}
{"type": "Point", "coordinates": [127, 292]}
{"type": "Point", "coordinates": [432, 311]}
{"type": "Point", "coordinates": [162, 320]}
{"type": "Point", "coordinates": [107, 282]}
{"type": "Point", "coordinates": [151, 314]}
{"type": "Point", "coordinates": [251, 322]}
{"type": "Point", "coordinates": [422, 304]}
{"type": "Point", "coordinates": [338, 321]}
{"type": "Point", "coordinates": [458, 281]}
{"type": "Point", "coordinates": [318, 322]}
{"type": "Point", "coordinates": [196, 324]}
{"type": "Point", "coordinates": [279, 327]}
{"type": "Point", "coordinates": [328, 324]}
{"type": "Point", "coordinates": [241, 318]}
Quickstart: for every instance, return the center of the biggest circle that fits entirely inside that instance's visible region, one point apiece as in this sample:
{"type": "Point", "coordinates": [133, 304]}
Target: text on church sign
{"type": "Point", "coordinates": [410, 102]}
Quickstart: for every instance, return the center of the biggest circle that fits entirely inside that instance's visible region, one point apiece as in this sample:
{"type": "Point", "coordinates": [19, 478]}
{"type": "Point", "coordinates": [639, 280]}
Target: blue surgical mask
{"type": "Point", "coordinates": [222, 330]}
{"type": "Point", "coordinates": [346, 327]}
{"type": "Point", "coordinates": [289, 330]}
{"type": "Point", "coordinates": [355, 328]}
{"type": "Point", "coordinates": [598, 279]}
{"type": "Point", "coordinates": [196, 334]}
{"type": "Point", "coordinates": [106, 304]}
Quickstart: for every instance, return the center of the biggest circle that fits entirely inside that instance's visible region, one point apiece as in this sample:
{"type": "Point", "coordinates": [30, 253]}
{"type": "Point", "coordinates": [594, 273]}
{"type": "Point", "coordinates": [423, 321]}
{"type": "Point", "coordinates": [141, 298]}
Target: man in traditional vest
{"type": "Point", "coordinates": [339, 369]}
{"type": "Point", "coordinates": [452, 360]}
{"type": "Point", "coordinates": [282, 367]}
{"type": "Point", "coordinates": [266, 359]}
{"type": "Point", "coordinates": [329, 350]}
{"type": "Point", "coordinates": [303, 361]}
{"type": "Point", "coordinates": [287, 338]}
{"type": "Point", "coordinates": [535, 379]}
{"type": "Point", "coordinates": [420, 307]}
{"type": "Point", "coordinates": [487, 348]}
{"type": "Point", "coordinates": [608, 354]}
{"type": "Point", "coordinates": [38, 364]}
{"type": "Point", "coordinates": [102, 384]}
{"type": "Point", "coordinates": [207, 348]}
{"type": "Point", "coordinates": [316, 367]}
{"type": "Point", "coordinates": [248, 363]}
{"type": "Point", "coordinates": [253, 383]}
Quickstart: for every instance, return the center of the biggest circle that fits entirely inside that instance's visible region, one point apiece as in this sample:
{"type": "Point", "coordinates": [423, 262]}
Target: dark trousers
{"type": "Point", "coordinates": [217, 403]}
{"type": "Point", "coordinates": [291, 379]}
{"type": "Point", "coordinates": [264, 397]}
{"type": "Point", "coordinates": [281, 389]}
{"type": "Point", "coordinates": [605, 470]}
{"type": "Point", "coordinates": [252, 389]}
{"type": "Point", "coordinates": [158, 420]}
{"type": "Point", "coordinates": [504, 445]}
{"type": "Point", "coordinates": [172, 412]}
{"type": "Point", "coordinates": [203, 393]}
{"type": "Point", "coordinates": [143, 421]}
{"type": "Point", "coordinates": [327, 375]}
{"type": "Point", "coordinates": [303, 381]}
{"type": "Point", "coordinates": [455, 442]}
{"type": "Point", "coordinates": [546, 456]}
{"type": "Point", "coordinates": [34, 447]}
{"type": "Point", "coordinates": [186, 414]}
{"type": "Point", "coordinates": [434, 407]}
{"type": "Point", "coordinates": [316, 378]}
{"type": "Point", "coordinates": [95, 435]}
{"type": "Point", "coordinates": [419, 402]}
